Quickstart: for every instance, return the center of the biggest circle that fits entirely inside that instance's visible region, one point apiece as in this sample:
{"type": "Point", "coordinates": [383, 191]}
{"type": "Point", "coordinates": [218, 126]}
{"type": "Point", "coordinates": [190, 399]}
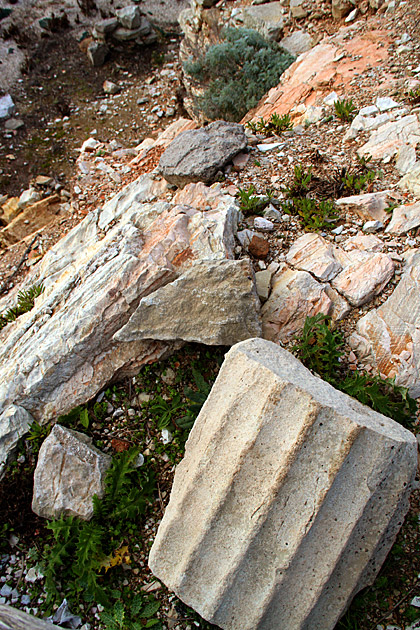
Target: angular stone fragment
{"type": "Point", "coordinates": [60, 353]}
{"type": "Point", "coordinates": [97, 53]}
{"type": "Point", "coordinates": [411, 181]}
{"type": "Point", "coordinates": [388, 338]}
{"type": "Point", "coordinates": [404, 218]}
{"type": "Point", "coordinates": [365, 277]}
{"type": "Point", "coordinates": [341, 8]}
{"type": "Point", "coordinates": [68, 473]}
{"type": "Point", "coordinates": [14, 423]}
{"type": "Point", "coordinates": [386, 141]}
{"type": "Point", "coordinates": [198, 155]}
{"type": "Point", "coordinates": [267, 19]}
{"type": "Point", "coordinates": [129, 17]}
{"type": "Point", "coordinates": [287, 501]}
{"type": "Point", "coordinates": [313, 253]}
{"type": "Point", "coordinates": [369, 206]}
{"type": "Point", "coordinates": [297, 43]}
{"type": "Point", "coordinates": [193, 307]}
{"type": "Point", "coordinates": [295, 295]}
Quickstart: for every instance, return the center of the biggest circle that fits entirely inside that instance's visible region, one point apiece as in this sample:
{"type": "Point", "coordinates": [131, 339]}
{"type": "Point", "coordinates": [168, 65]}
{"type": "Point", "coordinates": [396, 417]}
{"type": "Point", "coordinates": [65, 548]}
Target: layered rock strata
{"type": "Point", "coordinates": [288, 499]}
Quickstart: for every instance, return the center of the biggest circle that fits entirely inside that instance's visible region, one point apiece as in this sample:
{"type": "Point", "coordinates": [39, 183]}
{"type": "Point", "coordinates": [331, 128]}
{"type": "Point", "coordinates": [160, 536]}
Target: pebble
{"type": "Point", "coordinates": [6, 590]}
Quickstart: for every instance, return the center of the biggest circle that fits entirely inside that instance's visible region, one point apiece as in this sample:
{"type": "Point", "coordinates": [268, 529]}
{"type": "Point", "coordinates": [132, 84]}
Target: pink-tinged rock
{"type": "Point", "coordinates": [317, 72]}
{"type": "Point", "coordinates": [404, 218]}
{"type": "Point", "coordinates": [164, 139]}
{"type": "Point", "coordinates": [365, 277]}
{"type": "Point", "coordinates": [364, 242]}
{"type": "Point", "coordinates": [369, 206]}
{"type": "Point", "coordinates": [313, 253]}
{"type": "Point", "coordinates": [388, 338]}
{"type": "Point", "coordinates": [391, 137]}
{"type": "Point", "coordinates": [296, 295]}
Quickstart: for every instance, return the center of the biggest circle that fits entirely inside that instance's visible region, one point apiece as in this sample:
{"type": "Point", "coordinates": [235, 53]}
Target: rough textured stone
{"type": "Point", "coordinates": [369, 206]}
{"type": "Point", "coordinates": [258, 247]}
{"type": "Point", "coordinates": [129, 17]}
{"type": "Point", "coordinates": [288, 499]}
{"type": "Point", "coordinates": [404, 218]}
{"type": "Point", "coordinates": [60, 353]}
{"type": "Point", "coordinates": [267, 19]}
{"type": "Point", "coordinates": [364, 242]}
{"type": "Point", "coordinates": [364, 277]}
{"type": "Point", "coordinates": [391, 137]}
{"type": "Point", "coordinates": [14, 423]}
{"type": "Point", "coordinates": [341, 8]}
{"type": "Point", "coordinates": [297, 43]}
{"type": "Point", "coordinates": [68, 473]}
{"type": "Point", "coordinates": [263, 280]}
{"type": "Point", "coordinates": [97, 53]}
{"type": "Point", "coordinates": [193, 307]}
{"type": "Point", "coordinates": [12, 619]}
{"type": "Point", "coordinates": [33, 218]}
{"type": "Point", "coordinates": [411, 181]}
{"type": "Point", "coordinates": [388, 338]}
{"type": "Point", "coordinates": [199, 154]}
{"type": "Point", "coordinates": [313, 253]}
{"type": "Point", "coordinates": [322, 69]}
{"type": "Point", "coordinates": [294, 296]}
{"type": "Point", "coordinates": [297, 9]}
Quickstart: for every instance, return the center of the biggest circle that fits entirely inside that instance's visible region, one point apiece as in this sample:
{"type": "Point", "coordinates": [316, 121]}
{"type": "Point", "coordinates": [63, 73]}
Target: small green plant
{"type": "Point", "coordinates": [354, 183]}
{"type": "Point", "coordinates": [37, 434]}
{"type": "Point", "coordinates": [197, 398]}
{"type": "Point", "coordinates": [250, 203]}
{"type": "Point", "coordinates": [166, 412]}
{"type": "Point", "coordinates": [345, 110]}
{"type": "Point", "coordinates": [142, 608]}
{"type": "Point", "coordinates": [316, 215]}
{"type": "Point", "coordinates": [320, 349]}
{"type": "Point", "coordinates": [276, 124]}
{"type": "Point", "coordinates": [78, 415]}
{"type": "Point", "coordinates": [25, 303]}
{"type": "Point", "coordinates": [300, 183]}
{"type": "Point", "coordinates": [81, 551]}
{"type": "Point", "coordinates": [237, 72]}
{"type": "Point", "coordinates": [414, 96]}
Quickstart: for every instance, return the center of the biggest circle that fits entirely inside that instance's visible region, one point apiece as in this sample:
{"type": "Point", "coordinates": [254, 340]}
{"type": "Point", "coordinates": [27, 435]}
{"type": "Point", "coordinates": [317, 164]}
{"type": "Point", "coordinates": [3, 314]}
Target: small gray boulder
{"type": "Point", "coordinates": [69, 472]}
{"type": "Point", "coordinates": [199, 154]}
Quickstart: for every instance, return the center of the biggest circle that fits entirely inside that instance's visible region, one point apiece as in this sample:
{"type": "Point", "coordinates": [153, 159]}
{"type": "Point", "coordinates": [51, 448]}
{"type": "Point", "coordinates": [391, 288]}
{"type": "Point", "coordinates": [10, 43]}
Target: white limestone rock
{"type": "Point", "coordinates": [404, 218]}
{"type": "Point", "coordinates": [388, 338]}
{"type": "Point", "coordinates": [297, 42]}
{"type": "Point", "coordinates": [60, 353]}
{"type": "Point", "coordinates": [287, 501]}
{"type": "Point", "coordinates": [313, 253]}
{"type": "Point", "coordinates": [368, 206]}
{"type": "Point", "coordinates": [267, 19]}
{"type": "Point", "coordinates": [14, 423]}
{"type": "Point", "coordinates": [68, 473]}
{"type": "Point", "coordinates": [294, 296]}
{"type": "Point", "coordinates": [411, 181]}
{"type": "Point", "coordinates": [365, 276]}
{"type": "Point", "coordinates": [386, 141]}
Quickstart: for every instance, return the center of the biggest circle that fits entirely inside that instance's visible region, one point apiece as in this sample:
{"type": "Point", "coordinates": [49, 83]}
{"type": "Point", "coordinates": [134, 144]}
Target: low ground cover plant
{"type": "Point", "coordinates": [236, 72]}
{"type": "Point", "coordinates": [345, 110]}
{"type": "Point", "coordinates": [275, 124]}
{"type": "Point", "coordinates": [25, 302]}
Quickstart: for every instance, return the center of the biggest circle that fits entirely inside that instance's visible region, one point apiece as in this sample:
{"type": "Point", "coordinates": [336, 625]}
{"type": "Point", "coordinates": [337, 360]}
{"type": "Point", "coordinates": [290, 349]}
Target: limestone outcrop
{"type": "Point", "coordinates": [68, 473]}
{"type": "Point", "coordinates": [66, 348]}
{"type": "Point", "coordinates": [288, 499]}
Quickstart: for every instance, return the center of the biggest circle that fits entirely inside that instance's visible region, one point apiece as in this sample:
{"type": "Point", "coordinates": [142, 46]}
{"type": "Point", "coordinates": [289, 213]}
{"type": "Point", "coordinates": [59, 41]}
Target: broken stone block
{"type": "Point", "coordinates": [313, 253]}
{"type": "Point", "coordinates": [267, 19]}
{"type": "Point", "coordinates": [14, 423]}
{"type": "Point", "coordinates": [97, 53]}
{"type": "Point", "coordinates": [69, 472]}
{"type": "Point", "coordinates": [368, 206]}
{"type": "Point", "coordinates": [404, 218]}
{"type": "Point", "coordinates": [129, 17]}
{"type": "Point", "coordinates": [198, 155]}
{"type": "Point", "coordinates": [389, 138]}
{"type": "Point", "coordinates": [287, 501]}
{"type": "Point", "coordinates": [364, 277]}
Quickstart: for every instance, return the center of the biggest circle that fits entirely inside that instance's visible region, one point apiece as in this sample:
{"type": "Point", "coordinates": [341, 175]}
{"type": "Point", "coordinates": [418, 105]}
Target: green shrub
{"type": "Point", "coordinates": [276, 124]}
{"type": "Point", "coordinates": [320, 349]}
{"type": "Point", "coordinates": [25, 303]}
{"type": "Point", "coordinates": [237, 72]}
{"type": "Point", "coordinates": [250, 203]}
{"type": "Point", "coordinates": [345, 110]}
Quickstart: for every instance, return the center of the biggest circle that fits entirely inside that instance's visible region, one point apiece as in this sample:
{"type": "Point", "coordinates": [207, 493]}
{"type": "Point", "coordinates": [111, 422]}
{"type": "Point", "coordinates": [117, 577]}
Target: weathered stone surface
{"type": "Point", "coordinates": [288, 499]}
{"type": "Point", "coordinates": [14, 423]}
{"type": "Point", "coordinates": [267, 19]}
{"type": "Point", "coordinates": [411, 181]}
{"type": "Point", "coordinates": [198, 155]}
{"type": "Point", "coordinates": [263, 281]}
{"type": "Point", "coordinates": [258, 247]}
{"type": "Point", "coordinates": [129, 17]}
{"type": "Point", "coordinates": [297, 43]}
{"type": "Point", "coordinates": [106, 26]}
{"type": "Point", "coordinates": [64, 350]}
{"type": "Point", "coordinates": [294, 296]}
{"type": "Point", "coordinates": [329, 65]}
{"type": "Point", "coordinates": [369, 206]}
{"type": "Point", "coordinates": [193, 307]}
{"type": "Point", "coordinates": [341, 8]}
{"type": "Point", "coordinates": [68, 473]}
{"type": "Point", "coordinates": [30, 220]}
{"type": "Point", "coordinates": [364, 242]}
{"type": "Point", "coordinates": [297, 9]}
{"type": "Point", "coordinates": [406, 159]}
{"type": "Point", "coordinates": [365, 276]}
{"type": "Point", "coordinates": [13, 619]}
{"type": "Point", "coordinates": [388, 338]}
{"type": "Point", "coordinates": [97, 53]}
{"type": "Point", "coordinates": [313, 253]}
{"type": "Point", "coordinates": [391, 137]}
{"type": "Point", "coordinates": [404, 218]}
